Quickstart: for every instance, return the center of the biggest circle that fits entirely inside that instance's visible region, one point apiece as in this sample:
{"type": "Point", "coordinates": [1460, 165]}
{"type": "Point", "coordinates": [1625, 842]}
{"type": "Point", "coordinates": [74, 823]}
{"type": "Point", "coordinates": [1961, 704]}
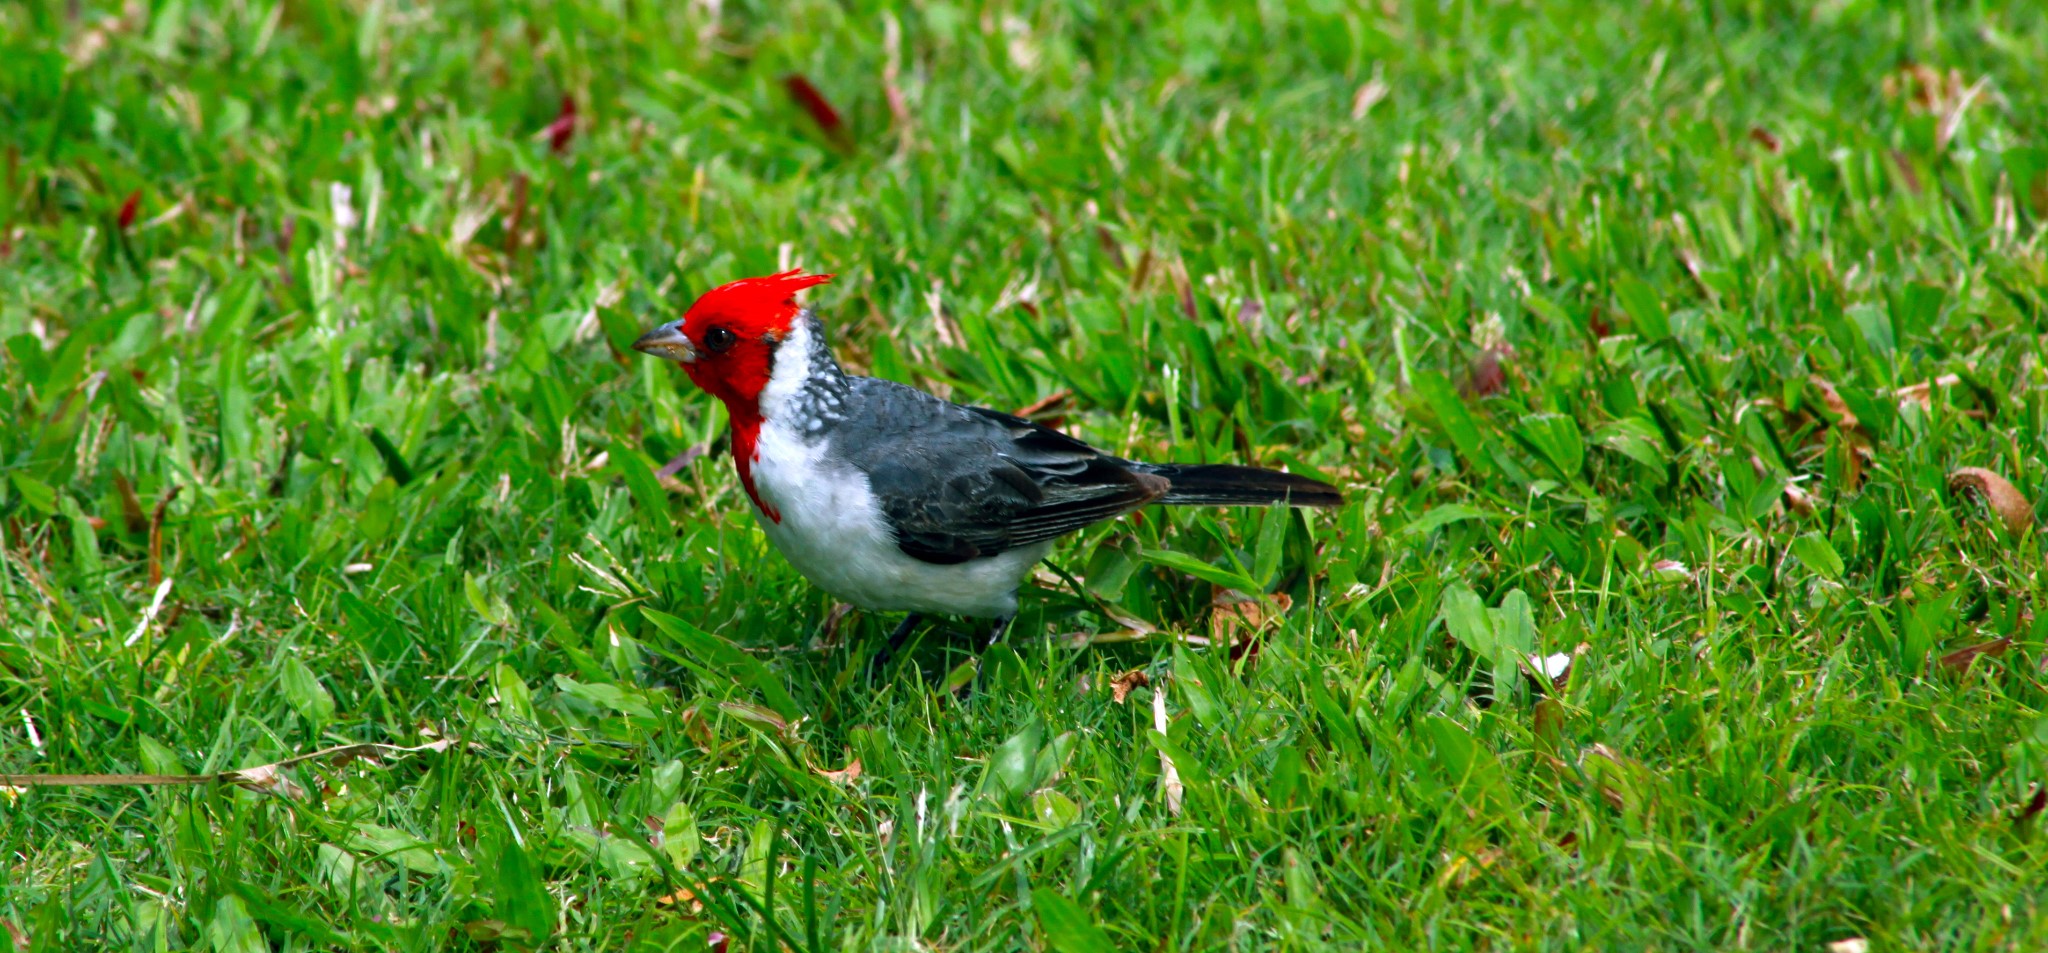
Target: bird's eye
{"type": "Point", "coordinates": [718, 339]}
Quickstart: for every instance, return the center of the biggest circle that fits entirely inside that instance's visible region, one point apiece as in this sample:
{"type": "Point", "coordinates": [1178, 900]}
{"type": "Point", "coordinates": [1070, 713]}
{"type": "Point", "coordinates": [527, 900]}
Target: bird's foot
{"type": "Point", "coordinates": [904, 630]}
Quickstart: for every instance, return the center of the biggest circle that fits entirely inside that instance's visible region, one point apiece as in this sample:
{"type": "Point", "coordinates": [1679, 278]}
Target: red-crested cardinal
{"type": "Point", "coordinates": [892, 499]}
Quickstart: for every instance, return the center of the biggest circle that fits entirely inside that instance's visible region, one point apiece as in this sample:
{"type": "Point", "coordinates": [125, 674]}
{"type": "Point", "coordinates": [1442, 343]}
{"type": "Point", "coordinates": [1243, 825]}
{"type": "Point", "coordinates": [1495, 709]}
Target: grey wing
{"type": "Point", "coordinates": [959, 483]}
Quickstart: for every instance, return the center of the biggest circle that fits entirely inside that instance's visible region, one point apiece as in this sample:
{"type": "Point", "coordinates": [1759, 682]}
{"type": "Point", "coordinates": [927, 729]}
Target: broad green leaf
{"type": "Point", "coordinates": [1272, 540]}
{"type": "Point", "coordinates": [1819, 555]}
{"type": "Point", "coordinates": [1443, 401]}
{"type": "Point", "coordinates": [490, 607]}
{"type": "Point", "coordinates": [1445, 515]}
{"type": "Point", "coordinates": [1067, 927]}
{"type": "Point", "coordinates": [1557, 437]}
{"type": "Point", "coordinates": [605, 695]}
{"type": "Point", "coordinates": [302, 689]}
{"type": "Point", "coordinates": [1472, 770]}
{"type": "Point", "coordinates": [679, 835]}
{"type": "Point", "coordinates": [392, 844]}
{"type": "Point", "coordinates": [515, 702]}
{"type": "Point", "coordinates": [1191, 771]}
{"type": "Point", "coordinates": [37, 494]}
{"type": "Point", "coordinates": [1643, 306]}
{"type": "Point", "coordinates": [1635, 438]}
{"type": "Point", "coordinates": [1465, 617]}
{"type": "Point", "coordinates": [519, 893]}
{"type": "Point", "coordinates": [85, 543]}
{"type": "Point", "coordinates": [232, 930]}
{"type": "Point", "coordinates": [158, 758]}
{"type": "Point", "coordinates": [1015, 762]}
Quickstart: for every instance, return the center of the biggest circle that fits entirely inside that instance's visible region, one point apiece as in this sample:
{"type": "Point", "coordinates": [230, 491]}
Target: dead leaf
{"type": "Point", "coordinates": [755, 714]}
{"type": "Point", "coordinates": [265, 777]}
{"type": "Point", "coordinates": [131, 507]}
{"type": "Point", "coordinates": [1961, 658]}
{"type": "Point", "coordinates": [1121, 686]}
{"type": "Point", "coordinates": [2035, 804]}
{"type": "Point", "coordinates": [1923, 392]}
{"type": "Point", "coordinates": [1844, 417]}
{"type": "Point", "coordinates": [1169, 776]}
{"type": "Point", "coordinates": [1463, 868]}
{"type": "Point", "coordinates": [1763, 137]}
{"type": "Point", "coordinates": [828, 636]}
{"type": "Point", "coordinates": [262, 777]}
{"type": "Point", "coordinates": [1241, 621]}
{"type": "Point", "coordinates": [1997, 492]}
{"type": "Point", "coordinates": [156, 535]}
{"type": "Point", "coordinates": [1045, 410]}
{"type": "Point", "coordinates": [682, 896]}
{"type": "Point", "coordinates": [845, 775]}
{"type": "Point", "coordinates": [1369, 95]}
{"type": "Point", "coordinates": [492, 931]}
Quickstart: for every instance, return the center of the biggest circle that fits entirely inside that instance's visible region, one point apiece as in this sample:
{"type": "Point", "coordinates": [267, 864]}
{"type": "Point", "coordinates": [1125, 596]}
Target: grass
{"type": "Point", "coordinates": [1602, 312]}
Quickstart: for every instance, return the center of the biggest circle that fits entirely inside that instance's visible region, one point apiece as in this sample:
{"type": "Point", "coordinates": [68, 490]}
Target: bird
{"type": "Point", "coordinates": [896, 500]}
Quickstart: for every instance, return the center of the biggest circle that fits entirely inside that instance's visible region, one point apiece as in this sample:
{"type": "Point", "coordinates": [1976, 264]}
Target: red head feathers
{"type": "Point", "coordinates": [733, 330]}
{"type": "Point", "coordinates": [758, 305]}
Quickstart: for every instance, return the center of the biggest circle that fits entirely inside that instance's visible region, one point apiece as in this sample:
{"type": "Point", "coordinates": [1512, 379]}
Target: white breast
{"type": "Point", "coordinates": [834, 533]}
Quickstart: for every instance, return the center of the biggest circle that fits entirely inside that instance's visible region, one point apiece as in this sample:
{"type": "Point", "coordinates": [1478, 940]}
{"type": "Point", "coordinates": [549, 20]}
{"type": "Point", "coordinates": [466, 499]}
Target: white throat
{"type": "Point", "coordinates": [792, 367]}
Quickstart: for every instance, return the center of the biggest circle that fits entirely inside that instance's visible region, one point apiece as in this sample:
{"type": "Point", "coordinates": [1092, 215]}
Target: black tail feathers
{"type": "Point", "coordinates": [1220, 484]}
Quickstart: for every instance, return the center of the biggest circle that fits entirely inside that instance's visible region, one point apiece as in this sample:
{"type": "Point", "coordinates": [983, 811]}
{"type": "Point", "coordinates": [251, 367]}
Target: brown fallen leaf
{"type": "Point", "coordinates": [682, 896]}
{"type": "Point", "coordinates": [1997, 492]}
{"type": "Point", "coordinates": [1923, 392]}
{"type": "Point", "coordinates": [1241, 621]}
{"type": "Point", "coordinates": [131, 507]}
{"type": "Point", "coordinates": [1798, 500]}
{"type": "Point", "coordinates": [1121, 686]}
{"type": "Point", "coordinates": [1832, 398]}
{"type": "Point", "coordinates": [1961, 658]}
{"type": "Point", "coordinates": [262, 777]}
{"type": "Point", "coordinates": [1368, 95]}
{"type": "Point", "coordinates": [845, 775]}
{"type": "Point", "coordinates": [1764, 137]}
{"type": "Point", "coordinates": [1047, 410]}
{"type": "Point", "coordinates": [156, 535]}
{"type": "Point", "coordinates": [2035, 804]}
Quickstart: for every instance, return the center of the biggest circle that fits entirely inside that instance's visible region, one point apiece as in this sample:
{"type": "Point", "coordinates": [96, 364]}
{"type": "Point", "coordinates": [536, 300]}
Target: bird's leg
{"type": "Point", "coordinates": [902, 634]}
{"type": "Point", "coordinates": [995, 632]}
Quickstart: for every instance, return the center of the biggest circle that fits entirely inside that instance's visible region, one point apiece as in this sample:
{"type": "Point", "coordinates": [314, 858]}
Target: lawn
{"type": "Point", "coordinates": [1651, 341]}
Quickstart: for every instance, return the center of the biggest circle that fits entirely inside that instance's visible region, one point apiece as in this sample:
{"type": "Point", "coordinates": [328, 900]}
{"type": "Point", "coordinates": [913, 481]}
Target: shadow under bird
{"type": "Point", "coordinates": [893, 499]}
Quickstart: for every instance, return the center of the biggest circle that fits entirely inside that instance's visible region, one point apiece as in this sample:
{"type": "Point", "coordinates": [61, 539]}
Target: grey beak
{"type": "Point", "coordinates": [667, 341]}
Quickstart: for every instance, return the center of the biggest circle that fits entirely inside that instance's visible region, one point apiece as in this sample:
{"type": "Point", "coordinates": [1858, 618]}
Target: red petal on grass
{"type": "Point", "coordinates": [129, 208]}
{"type": "Point", "coordinates": [563, 128]}
{"type": "Point", "coordinates": [820, 110]}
